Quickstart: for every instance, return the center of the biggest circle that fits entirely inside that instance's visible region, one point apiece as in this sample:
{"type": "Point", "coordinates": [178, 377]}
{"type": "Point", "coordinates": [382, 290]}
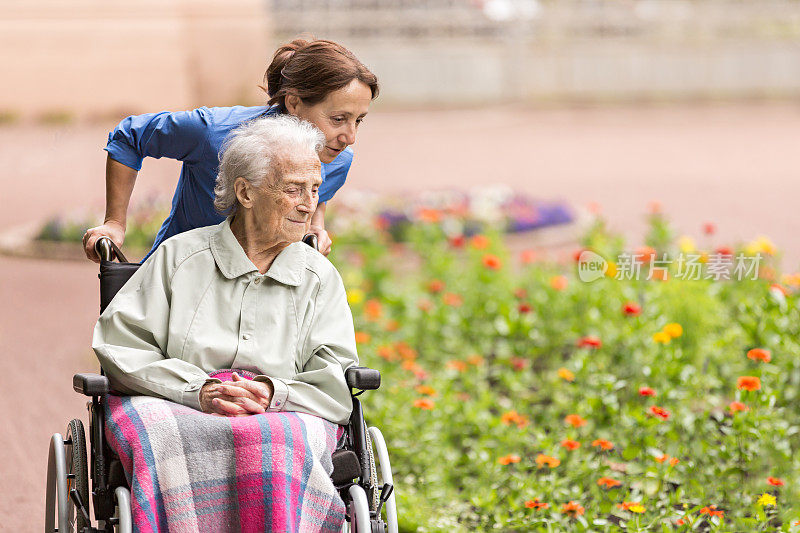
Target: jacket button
{"type": "Point", "coordinates": [246, 336]}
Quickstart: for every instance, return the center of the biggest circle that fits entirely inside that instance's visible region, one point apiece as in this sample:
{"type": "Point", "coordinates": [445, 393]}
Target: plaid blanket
{"type": "Point", "coordinates": [190, 471]}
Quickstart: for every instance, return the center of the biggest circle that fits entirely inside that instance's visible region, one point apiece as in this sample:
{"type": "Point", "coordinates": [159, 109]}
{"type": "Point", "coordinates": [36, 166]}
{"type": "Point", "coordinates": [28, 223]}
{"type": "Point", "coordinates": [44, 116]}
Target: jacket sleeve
{"type": "Point", "coordinates": [330, 349]}
{"type": "Point", "coordinates": [180, 136]}
{"type": "Point", "coordinates": [130, 339]}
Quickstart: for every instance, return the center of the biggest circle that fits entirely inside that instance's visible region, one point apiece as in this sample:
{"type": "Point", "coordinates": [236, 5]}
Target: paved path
{"type": "Point", "coordinates": [735, 166]}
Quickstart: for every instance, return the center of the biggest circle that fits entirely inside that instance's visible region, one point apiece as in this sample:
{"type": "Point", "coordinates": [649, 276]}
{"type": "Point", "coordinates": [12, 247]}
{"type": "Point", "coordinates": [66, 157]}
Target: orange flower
{"type": "Point", "coordinates": [570, 444]}
{"type": "Point", "coordinates": [760, 354]}
{"type": "Point", "coordinates": [435, 285]}
{"type": "Point", "coordinates": [387, 352]}
{"type": "Point", "coordinates": [547, 460]}
{"type": "Point", "coordinates": [479, 242]}
{"type": "Point", "coordinates": [674, 461]}
{"type": "Point", "coordinates": [508, 459]}
{"type": "Point", "coordinates": [424, 403]}
{"type": "Point", "coordinates": [429, 215]}
{"type": "Point", "coordinates": [590, 341]}
{"type": "Point", "coordinates": [627, 505]}
{"type": "Point", "coordinates": [527, 257]}
{"type": "Point", "coordinates": [749, 383]}
{"type": "Point", "coordinates": [392, 325]}
{"type": "Point", "coordinates": [574, 420]}
{"type": "Point", "coordinates": [455, 364]}
{"type": "Point", "coordinates": [425, 305]}
{"type": "Point", "coordinates": [426, 390]}
{"type": "Point", "coordinates": [661, 413]}
{"type": "Point", "coordinates": [362, 337]}
{"type": "Point", "coordinates": [373, 310]}
{"type": "Point", "coordinates": [775, 481]}
{"type": "Point", "coordinates": [603, 444]}
{"type": "Point", "coordinates": [661, 458]}
{"type": "Point", "coordinates": [608, 482]}
{"type": "Point", "coordinates": [779, 288]}
{"type": "Point", "coordinates": [644, 254]}
{"type": "Point", "coordinates": [475, 360]}
{"type": "Point", "coordinates": [646, 391]}
{"type": "Point", "coordinates": [572, 509]}
{"type": "Point", "coordinates": [536, 504]}
{"type": "Point", "coordinates": [513, 417]}
{"type": "Point", "coordinates": [492, 262]}
{"type": "Point", "coordinates": [632, 309]}
{"type": "Point", "coordinates": [405, 351]}
{"type": "Point", "coordinates": [452, 299]}
{"type": "Point", "coordinates": [736, 407]}
{"type": "Point", "coordinates": [680, 522]}
{"type": "Point", "coordinates": [559, 283]}
{"type": "Point", "coordinates": [711, 510]}
{"type": "Point", "coordinates": [565, 374]}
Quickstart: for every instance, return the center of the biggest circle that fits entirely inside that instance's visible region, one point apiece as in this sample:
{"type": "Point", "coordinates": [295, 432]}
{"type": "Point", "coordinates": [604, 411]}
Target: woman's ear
{"type": "Point", "coordinates": [292, 102]}
{"type": "Point", "coordinates": [244, 192]}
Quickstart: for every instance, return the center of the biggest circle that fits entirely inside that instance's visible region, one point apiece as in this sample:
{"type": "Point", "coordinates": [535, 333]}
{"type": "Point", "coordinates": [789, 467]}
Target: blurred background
{"type": "Point", "coordinates": [620, 107]}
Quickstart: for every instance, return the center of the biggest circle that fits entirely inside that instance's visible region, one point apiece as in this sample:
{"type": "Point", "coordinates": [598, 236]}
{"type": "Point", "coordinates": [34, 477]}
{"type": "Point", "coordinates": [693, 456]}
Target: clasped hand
{"type": "Point", "coordinates": [240, 397]}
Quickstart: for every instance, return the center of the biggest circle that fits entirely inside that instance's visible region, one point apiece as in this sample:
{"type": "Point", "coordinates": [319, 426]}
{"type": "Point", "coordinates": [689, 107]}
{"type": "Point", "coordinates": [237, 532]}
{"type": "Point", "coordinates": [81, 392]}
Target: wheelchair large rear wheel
{"type": "Point", "coordinates": [77, 472]}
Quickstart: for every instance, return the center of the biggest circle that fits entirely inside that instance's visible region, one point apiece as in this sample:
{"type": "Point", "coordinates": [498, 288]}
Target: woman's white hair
{"type": "Point", "coordinates": [252, 150]}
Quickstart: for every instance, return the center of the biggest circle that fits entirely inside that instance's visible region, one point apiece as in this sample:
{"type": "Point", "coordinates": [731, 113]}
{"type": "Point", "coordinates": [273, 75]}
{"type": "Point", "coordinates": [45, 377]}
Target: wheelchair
{"type": "Point", "coordinates": [370, 508]}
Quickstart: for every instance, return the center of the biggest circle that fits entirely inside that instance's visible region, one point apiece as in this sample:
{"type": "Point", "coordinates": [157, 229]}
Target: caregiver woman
{"type": "Point", "coordinates": [318, 81]}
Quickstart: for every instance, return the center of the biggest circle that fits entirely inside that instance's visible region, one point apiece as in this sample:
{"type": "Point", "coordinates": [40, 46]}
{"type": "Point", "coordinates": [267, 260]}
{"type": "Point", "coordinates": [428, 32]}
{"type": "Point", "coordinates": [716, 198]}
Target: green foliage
{"type": "Point", "coordinates": [482, 360]}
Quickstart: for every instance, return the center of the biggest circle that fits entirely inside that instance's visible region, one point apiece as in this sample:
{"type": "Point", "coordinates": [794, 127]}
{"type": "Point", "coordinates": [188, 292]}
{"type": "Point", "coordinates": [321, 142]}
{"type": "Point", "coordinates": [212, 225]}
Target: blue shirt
{"type": "Point", "coordinates": [195, 138]}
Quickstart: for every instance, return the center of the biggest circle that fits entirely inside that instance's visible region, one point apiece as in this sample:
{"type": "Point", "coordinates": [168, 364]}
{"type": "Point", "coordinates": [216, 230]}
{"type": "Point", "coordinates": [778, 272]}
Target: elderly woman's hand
{"type": "Point", "coordinates": [240, 397]}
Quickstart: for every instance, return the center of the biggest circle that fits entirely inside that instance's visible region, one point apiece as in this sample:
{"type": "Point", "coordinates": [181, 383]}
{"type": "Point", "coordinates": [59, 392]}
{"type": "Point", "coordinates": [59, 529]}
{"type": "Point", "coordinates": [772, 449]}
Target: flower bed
{"type": "Point", "coordinates": [517, 398]}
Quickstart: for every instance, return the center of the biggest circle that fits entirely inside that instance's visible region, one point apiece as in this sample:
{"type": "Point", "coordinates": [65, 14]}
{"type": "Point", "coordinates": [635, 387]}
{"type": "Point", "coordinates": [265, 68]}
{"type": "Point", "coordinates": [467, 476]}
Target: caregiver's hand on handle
{"type": "Point", "coordinates": [240, 397]}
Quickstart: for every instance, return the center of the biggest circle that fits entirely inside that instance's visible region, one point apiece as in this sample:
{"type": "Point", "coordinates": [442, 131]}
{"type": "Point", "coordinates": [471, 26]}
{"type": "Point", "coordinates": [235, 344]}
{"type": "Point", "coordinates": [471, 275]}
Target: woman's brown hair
{"type": "Point", "coordinates": [311, 69]}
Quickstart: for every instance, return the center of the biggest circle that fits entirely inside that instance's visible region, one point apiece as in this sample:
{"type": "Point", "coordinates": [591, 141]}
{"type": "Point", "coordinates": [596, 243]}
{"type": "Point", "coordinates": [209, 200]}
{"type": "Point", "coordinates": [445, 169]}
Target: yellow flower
{"type": "Point", "coordinates": [565, 374]}
{"type": "Point", "coordinates": [611, 272]}
{"type": "Point", "coordinates": [704, 257]}
{"type": "Point", "coordinates": [674, 330]}
{"type": "Point", "coordinates": [662, 337]}
{"type": "Point", "coordinates": [766, 499]}
{"type": "Point", "coordinates": [686, 244]}
{"type": "Point", "coordinates": [765, 245]}
{"type": "Point", "coordinates": [637, 508]}
{"type": "Point", "coordinates": [355, 296]}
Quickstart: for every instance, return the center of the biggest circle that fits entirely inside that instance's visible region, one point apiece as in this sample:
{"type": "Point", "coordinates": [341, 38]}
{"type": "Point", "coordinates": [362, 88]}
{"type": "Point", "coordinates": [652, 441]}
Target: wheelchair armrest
{"type": "Point", "coordinates": [90, 384]}
{"type": "Point", "coordinates": [361, 377]}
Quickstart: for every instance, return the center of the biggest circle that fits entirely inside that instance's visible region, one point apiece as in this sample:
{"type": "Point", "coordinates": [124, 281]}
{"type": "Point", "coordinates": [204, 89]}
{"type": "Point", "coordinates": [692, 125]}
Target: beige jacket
{"type": "Point", "coordinates": [198, 304]}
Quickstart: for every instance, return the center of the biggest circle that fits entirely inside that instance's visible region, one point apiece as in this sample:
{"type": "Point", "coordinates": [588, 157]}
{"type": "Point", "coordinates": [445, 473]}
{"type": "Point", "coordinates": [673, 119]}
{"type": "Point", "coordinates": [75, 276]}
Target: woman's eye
{"type": "Point", "coordinates": [359, 121]}
{"type": "Point", "coordinates": [338, 120]}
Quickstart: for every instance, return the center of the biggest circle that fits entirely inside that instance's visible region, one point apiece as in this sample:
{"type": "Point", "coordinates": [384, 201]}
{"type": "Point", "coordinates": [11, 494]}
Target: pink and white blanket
{"type": "Point", "coordinates": [191, 472]}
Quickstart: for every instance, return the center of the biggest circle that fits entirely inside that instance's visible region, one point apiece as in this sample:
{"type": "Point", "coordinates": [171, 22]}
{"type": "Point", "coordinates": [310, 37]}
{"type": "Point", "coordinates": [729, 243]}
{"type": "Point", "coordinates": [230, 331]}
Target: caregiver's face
{"type": "Point", "coordinates": [337, 116]}
{"type": "Point", "coordinates": [283, 205]}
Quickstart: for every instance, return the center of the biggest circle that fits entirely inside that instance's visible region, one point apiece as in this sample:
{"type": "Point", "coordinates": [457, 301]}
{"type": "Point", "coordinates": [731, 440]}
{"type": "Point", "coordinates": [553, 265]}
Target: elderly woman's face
{"type": "Point", "coordinates": [337, 116]}
{"type": "Point", "coordinates": [284, 203]}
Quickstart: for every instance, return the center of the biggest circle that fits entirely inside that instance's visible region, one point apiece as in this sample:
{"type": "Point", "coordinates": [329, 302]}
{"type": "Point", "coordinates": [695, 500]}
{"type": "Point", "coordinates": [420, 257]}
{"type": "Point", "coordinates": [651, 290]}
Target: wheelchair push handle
{"type": "Point", "coordinates": [311, 240]}
{"type": "Point", "coordinates": [106, 249]}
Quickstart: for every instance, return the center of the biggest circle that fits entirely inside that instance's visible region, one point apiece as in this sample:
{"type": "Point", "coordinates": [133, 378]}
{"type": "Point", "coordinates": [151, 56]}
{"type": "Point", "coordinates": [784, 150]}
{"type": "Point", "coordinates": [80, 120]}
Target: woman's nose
{"type": "Point", "coordinates": [348, 137]}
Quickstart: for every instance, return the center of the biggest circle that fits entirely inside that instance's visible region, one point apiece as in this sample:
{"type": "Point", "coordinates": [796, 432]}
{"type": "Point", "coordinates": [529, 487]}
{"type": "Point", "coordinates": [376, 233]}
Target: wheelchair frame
{"type": "Point", "coordinates": [354, 474]}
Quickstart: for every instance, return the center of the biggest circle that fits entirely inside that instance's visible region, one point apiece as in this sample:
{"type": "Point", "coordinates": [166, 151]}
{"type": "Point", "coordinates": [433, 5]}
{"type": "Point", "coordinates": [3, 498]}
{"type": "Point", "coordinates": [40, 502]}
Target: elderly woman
{"type": "Point", "coordinates": [246, 298]}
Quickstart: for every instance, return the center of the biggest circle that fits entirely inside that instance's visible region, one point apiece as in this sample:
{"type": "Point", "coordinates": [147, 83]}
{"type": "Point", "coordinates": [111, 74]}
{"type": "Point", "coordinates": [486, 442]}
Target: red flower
{"type": "Point", "coordinates": [492, 262]}
{"type": "Point", "coordinates": [520, 293]}
{"type": "Point", "coordinates": [632, 309]}
{"type": "Point", "coordinates": [574, 420]}
{"type": "Point", "coordinates": [775, 481]}
{"type": "Point", "coordinates": [572, 509]}
{"type": "Point", "coordinates": [646, 391]}
{"type": "Point", "coordinates": [711, 510]}
{"type": "Point", "coordinates": [760, 354]}
{"type": "Point", "coordinates": [590, 342]}
{"type": "Point", "coordinates": [527, 257]}
{"type": "Point", "coordinates": [749, 383]}
{"type": "Point", "coordinates": [661, 413]}
{"type": "Point", "coordinates": [709, 228]}
{"type": "Point", "coordinates": [603, 444]}
{"type": "Point", "coordinates": [524, 308]}
{"type": "Point", "coordinates": [457, 241]}
{"type": "Point", "coordinates": [724, 250]}
{"type": "Point", "coordinates": [536, 504]}
{"type": "Point", "coordinates": [736, 406]}
{"type": "Point", "coordinates": [518, 363]}
{"type": "Point", "coordinates": [452, 299]}
{"type": "Point", "coordinates": [570, 444]}
{"type": "Point", "coordinates": [435, 285]}
{"type": "Point", "coordinates": [608, 482]}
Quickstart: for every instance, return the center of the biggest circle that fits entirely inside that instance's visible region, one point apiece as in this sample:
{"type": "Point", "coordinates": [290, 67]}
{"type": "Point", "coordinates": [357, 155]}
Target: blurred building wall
{"type": "Point", "coordinates": [460, 52]}
{"type": "Point", "coordinates": [109, 57]}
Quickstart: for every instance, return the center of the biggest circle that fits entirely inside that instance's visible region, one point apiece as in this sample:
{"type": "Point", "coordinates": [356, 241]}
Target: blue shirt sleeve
{"type": "Point", "coordinates": [178, 136]}
{"type": "Point", "coordinates": [335, 174]}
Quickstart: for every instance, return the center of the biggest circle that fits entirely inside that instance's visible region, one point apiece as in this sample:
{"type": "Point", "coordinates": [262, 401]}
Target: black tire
{"type": "Point", "coordinates": [77, 472]}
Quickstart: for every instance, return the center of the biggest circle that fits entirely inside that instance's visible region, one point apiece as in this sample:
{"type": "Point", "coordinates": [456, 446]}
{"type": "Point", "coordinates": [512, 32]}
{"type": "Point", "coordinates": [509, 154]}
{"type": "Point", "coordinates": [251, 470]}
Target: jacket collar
{"type": "Point", "coordinates": [288, 268]}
